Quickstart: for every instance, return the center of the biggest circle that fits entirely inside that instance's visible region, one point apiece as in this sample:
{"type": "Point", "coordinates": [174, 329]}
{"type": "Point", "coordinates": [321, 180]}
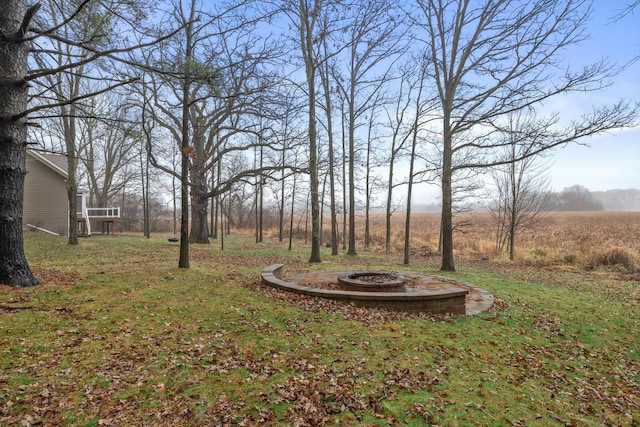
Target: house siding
{"type": "Point", "coordinates": [45, 198]}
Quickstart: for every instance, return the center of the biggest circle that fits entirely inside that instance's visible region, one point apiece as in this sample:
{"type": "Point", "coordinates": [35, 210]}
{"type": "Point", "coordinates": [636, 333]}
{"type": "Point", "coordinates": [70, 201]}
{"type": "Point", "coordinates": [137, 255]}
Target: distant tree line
{"type": "Point", "coordinates": [579, 198]}
{"type": "Point", "coordinates": [619, 200]}
{"type": "Point", "coordinates": [575, 198]}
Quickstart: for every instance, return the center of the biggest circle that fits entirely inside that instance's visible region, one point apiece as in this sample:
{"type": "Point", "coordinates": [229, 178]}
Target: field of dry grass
{"type": "Point", "coordinates": [585, 240]}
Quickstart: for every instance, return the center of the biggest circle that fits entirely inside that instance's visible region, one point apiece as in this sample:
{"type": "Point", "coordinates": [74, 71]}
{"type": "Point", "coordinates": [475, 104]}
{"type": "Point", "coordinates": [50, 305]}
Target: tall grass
{"type": "Point", "coordinates": [586, 240]}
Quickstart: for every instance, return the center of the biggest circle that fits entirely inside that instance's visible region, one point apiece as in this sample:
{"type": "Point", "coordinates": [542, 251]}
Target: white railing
{"type": "Point", "coordinates": [103, 212]}
{"type": "Point", "coordinates": [87, 222]}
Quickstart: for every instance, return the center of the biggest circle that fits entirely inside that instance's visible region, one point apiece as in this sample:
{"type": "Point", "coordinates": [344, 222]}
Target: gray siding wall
{"type": "Point", "coordinates": [45, 199]}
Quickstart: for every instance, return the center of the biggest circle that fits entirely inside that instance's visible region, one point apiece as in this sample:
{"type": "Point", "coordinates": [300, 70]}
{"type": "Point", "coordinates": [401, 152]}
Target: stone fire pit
{"type": "Point", "coordinates": [409, 291]}
{"type": "Point", "coordinates": [372, 281]}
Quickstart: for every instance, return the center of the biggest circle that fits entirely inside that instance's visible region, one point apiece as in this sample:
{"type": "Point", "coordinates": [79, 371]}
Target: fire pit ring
{"type": "Point", "coordinates": [423, 293]}
{"type": "Point", "coordinates": [372, 281]}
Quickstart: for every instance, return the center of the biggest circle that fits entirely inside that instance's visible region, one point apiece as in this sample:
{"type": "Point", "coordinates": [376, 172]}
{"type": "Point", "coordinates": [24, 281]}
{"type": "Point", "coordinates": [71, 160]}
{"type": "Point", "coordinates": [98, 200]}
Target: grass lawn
{"type": "Point", "coordinates": [118, 335]}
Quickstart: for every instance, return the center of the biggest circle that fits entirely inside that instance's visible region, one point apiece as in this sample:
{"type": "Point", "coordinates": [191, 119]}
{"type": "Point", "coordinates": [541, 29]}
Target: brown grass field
{"type": "Point", "coordinates": [584, 240]}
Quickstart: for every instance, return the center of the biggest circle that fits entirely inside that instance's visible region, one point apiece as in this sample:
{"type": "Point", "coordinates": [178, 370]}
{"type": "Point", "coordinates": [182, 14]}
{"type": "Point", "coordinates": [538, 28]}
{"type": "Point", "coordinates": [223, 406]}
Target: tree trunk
{"type": "Point", "coordinates": [185, 149]}
{"type": "Point", "coordinates": [282, 197]}
{"type": "Point", "coordinates": [122, 210]}
{"type": "Point", "coordinates": [352, 184]}
{"type": "Point", "coordinates": [344, 183]}
{"type": "Point", "coordinates": [256, 197]}
{"type": "Point", "coordinates": [147, 198]}
{"type": "Point", "coordinates": [293, 205]}
{"type": "Point", "coordinates": [198, 174]}
{"type": "Point", "coordinates": [199, 215]}
{"type": "Point", "coordinates": [14, 269]}
{"type": "Point", "coordinates": [174, 200]}
{"type": "Point", "coordinates": [513, 215]}
{"type": "Point", "coordinates": [69, 124]}
{"type": "Point", "coordinates": [313, 160]}
{"type": "Point", "coordinates": [407, 222]}
{"type": "Point", "coordinates": [447, 201]}
{"type": "Point", "coordinates": [145, 190]}
{"type": "Point", "coordinates": [261, 198]}
{"type": "Point", "coordinates": [183, 261]}
{"type": "Point", "coordinates": [387, 230]}
{"type": "Point", "coordinates": [213, 208]}
{"type": "Point", "coordinates": [222, 224]}
{"type": "Point", "coordinates": [367, 191]}
{"type": "Point", "coordinates": [332, 196]}
{"type": "Point", "coordinates": [332, 181]}
{"type": "Point", "coordinates": [313, 176]}
{"type": "Point", "coordinates": [72, 191]}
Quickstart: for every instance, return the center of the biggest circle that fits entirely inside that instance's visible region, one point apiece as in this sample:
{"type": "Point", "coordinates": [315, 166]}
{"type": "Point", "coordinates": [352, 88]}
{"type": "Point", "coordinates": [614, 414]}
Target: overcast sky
{"type": "Point", "coordinates": [611, 161]}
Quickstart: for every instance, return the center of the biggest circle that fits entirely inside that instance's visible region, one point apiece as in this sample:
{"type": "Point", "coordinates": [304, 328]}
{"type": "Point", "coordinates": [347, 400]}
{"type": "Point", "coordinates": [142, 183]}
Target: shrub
{"type": "Point", "coordinates": [570, 259]}
{"type": "Point", "coordinates": [612, 257]}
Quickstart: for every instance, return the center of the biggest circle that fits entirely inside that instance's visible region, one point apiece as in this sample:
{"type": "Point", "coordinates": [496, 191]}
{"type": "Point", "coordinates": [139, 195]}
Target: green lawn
{"type": "Point", "coordinates": [124, 337]}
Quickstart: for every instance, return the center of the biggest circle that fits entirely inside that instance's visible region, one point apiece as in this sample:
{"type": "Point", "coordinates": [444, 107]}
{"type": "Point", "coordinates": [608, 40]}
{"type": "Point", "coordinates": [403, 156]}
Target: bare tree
{"type": "Point", "coordinates": [520, 196]}
{"type": "Point", "coordinates": [400, 131]}
{"type": "Point", "coordinates": [289, 133]}
{"type": "Point", "coordinates": [325, 76]}
{"type": "Point", "coordinates": [491, 58]}
{"type": "Point", "coordinates": [109, 143]}
{"type": "Point", "coordinates": [73, 84]}
{"type": "Point", "coordinates": [345, 180]}
{"type": "Point", "coordinates": [305, 17]}
{"type": "Point", "coordinates": [319, 24]}
{"type": "Point", "coordinates": [144, 185]}
{"type": "Point", "coordinates": [419, 107]}
{"type": "Point", "coordinates": [372, 163]}
{"type": "Point", "coordinates": [372, 37]}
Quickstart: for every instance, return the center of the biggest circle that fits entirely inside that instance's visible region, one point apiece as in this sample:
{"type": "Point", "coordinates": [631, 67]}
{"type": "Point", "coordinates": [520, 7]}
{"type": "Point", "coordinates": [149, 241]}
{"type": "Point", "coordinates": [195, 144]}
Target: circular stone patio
{"type": "Point", "coordinates": [422, 293]}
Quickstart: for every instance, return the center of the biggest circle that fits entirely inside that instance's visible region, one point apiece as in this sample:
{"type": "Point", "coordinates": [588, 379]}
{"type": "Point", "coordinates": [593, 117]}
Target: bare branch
{"type": "Point", "coordinates": [97, 54]}
{"type": "Point", "coordinates": [74, 99]}
{"type": "Point", "coordinates": [26, 21]}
